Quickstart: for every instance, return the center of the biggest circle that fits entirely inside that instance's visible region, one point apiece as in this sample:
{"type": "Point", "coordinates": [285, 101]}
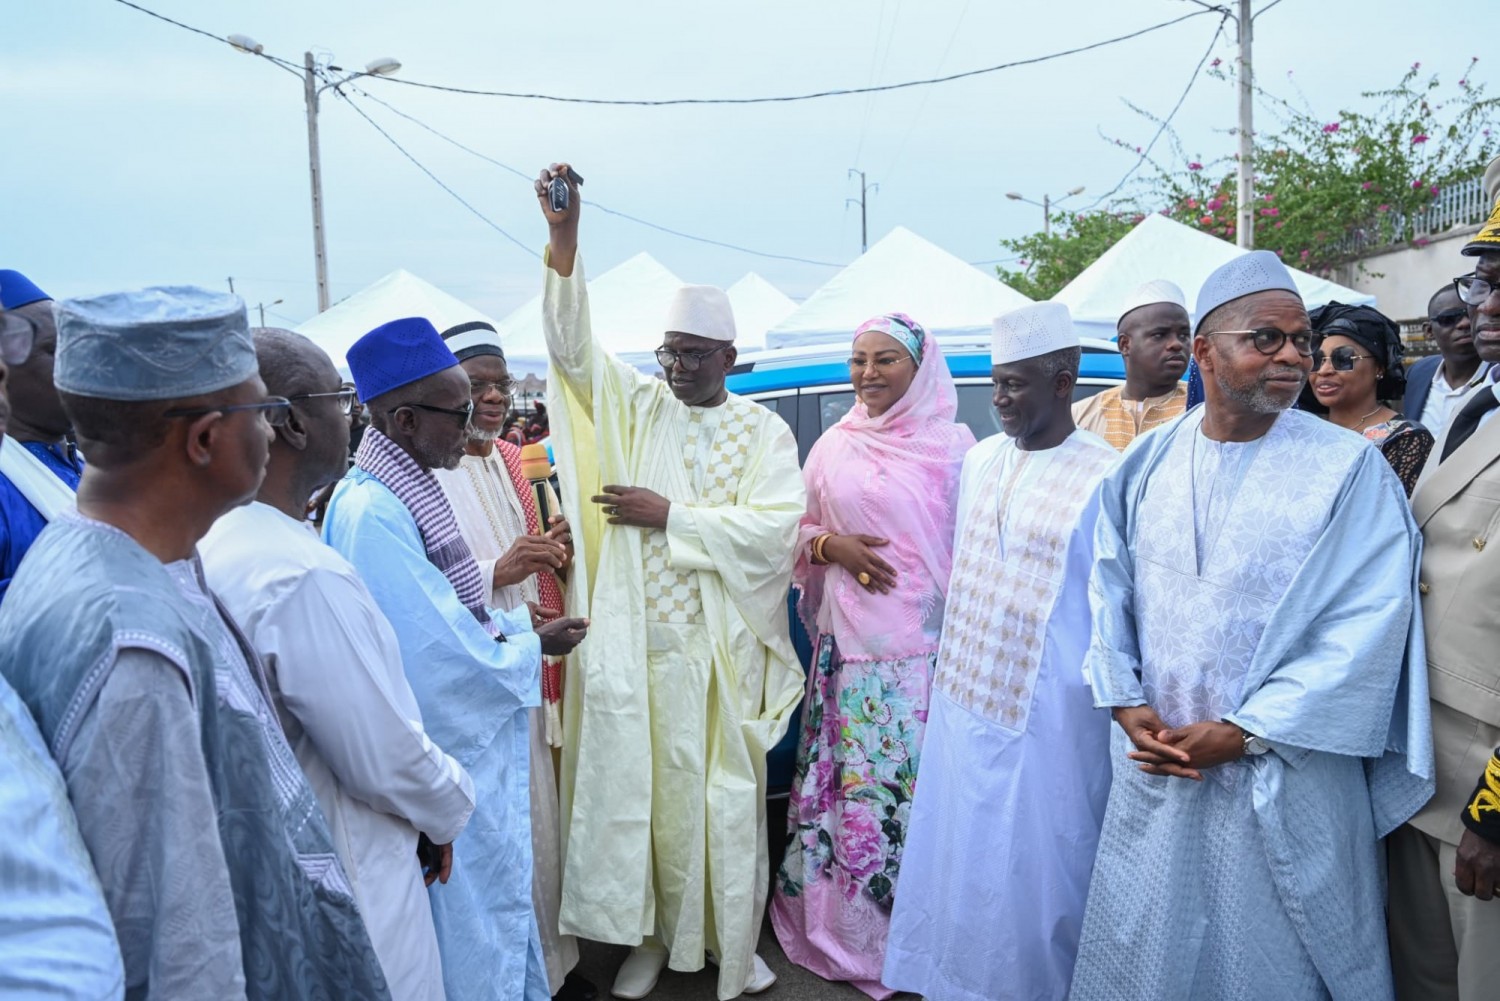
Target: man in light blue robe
{"type": "Point", "coordinates": [1258, 637]}
{"type": "Point", "coordinates": [474, 671]}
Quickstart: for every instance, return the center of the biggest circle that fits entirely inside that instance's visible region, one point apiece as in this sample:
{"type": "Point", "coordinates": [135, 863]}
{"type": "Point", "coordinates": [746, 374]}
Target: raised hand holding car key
{"type": "Point", "coordinates": [557, 191]}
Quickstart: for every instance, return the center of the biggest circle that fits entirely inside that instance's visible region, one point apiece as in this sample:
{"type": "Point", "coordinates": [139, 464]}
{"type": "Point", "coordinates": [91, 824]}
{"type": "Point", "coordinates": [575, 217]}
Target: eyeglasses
{"type": "Point", "coordinates": [346, 399]}
{"type": "Point", "coordinates": [17, 337]}
{"type": "Point", "coordinates": [1268, 340]}
{"type": "Point", "coordinates": [1448, 317]}
{"type": "Point", "coordinates": [1343, 359]}
{"type": "Point", "coordinates": [275, 410]}
{"type": "Point", "coordinates": [482, 389]}
{"type": "Point", "coordinates": [881, 364]}
{"type": "Point", "coordinates": [1472, 289]}
{"type": "Point", "coordinates": [465, 414]}
{"type": "Point", "coordinates": [690, 361]}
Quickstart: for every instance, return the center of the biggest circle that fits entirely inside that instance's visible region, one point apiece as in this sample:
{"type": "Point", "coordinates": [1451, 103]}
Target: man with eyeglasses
{"type": "Point", "coordinates": [56, 936]}
{"type": "Point", "coordinates": [1434, 384]}
{"type": "Point", "coordinates": [1254, 600]}
{"type": "Point", "coordinates": [217, 864]}
{"type": "Point", "coordinates": [335, 673]}
{"type": "Point", "coordinates": [1445, 864]}
{"type": "Point", "coordinates": [684, 561]}
{"type": "Point", "coordinates": [475, 669]}
{"type": "Point", "coordinates": [520, 557]}
{"type": "Point", "coordinates": [40, 468]}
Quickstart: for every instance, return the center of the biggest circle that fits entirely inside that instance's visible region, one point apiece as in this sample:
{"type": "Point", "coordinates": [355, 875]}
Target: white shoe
{"type": "Point", "coordinates": [761, 977]}
{"type": "Point", "coordinates": [639, 973]}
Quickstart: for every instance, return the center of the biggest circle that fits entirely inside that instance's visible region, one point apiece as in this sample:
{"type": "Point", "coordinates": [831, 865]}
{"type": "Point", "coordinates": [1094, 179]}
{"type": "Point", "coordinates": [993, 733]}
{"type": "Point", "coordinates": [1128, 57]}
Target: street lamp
{"type": "Point", "coordinates": [262, 307]}
{"type": "Point", "coordinates": [384, 66]}
{"type": "Point", "coordinates": [1045, 205]}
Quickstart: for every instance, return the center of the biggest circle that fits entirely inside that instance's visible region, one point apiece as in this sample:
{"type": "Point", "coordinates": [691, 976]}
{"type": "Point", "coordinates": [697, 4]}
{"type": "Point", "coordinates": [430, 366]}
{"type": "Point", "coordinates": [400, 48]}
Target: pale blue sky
{"type": "Point", "coordinates": [137, 153]}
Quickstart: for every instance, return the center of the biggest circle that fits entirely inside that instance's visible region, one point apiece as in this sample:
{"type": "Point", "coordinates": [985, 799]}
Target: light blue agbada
{"type": "Point", "coordinates": [473, 692]}
{"type": "Point", "coordinates": [1271, 584]}
{"type": "Point", "coordinates": [56, 937]}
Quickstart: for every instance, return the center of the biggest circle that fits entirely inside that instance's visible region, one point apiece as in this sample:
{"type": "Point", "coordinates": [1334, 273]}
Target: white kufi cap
{"type": "Point", "coordinates": [1037, 329]}
{"type": "Point", "coordinates": [1158, 290]}
{"type": "Point", "coordinates": [703, 311]}
{"type": "Point", "coordinates": [1247, 274]}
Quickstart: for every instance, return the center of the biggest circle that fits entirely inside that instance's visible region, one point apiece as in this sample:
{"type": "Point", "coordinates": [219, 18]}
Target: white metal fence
{"type": "Point", "coordinates": [1460, 204]}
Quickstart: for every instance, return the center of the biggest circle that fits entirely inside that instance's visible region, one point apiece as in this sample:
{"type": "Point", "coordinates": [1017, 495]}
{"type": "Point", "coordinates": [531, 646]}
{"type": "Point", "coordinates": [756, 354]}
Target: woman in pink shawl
{"type": "Point", "coordinates": [872, 569]}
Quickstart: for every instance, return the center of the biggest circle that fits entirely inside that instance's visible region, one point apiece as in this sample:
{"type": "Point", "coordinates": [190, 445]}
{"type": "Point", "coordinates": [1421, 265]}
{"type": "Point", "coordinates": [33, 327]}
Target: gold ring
{"type": "Point", "coordinates": [864, 579]}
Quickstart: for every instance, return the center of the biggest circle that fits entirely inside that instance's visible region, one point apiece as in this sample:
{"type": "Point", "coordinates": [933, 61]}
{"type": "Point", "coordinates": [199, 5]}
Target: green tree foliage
{"type": "Point", "coordinates": [1048, 262]}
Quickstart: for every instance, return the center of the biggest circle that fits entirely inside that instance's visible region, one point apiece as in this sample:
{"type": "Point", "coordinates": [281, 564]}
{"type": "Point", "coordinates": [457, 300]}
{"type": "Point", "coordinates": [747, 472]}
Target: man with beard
{"type": "Point", "coordinates": [669, 714]}
{"type": "Point", "coordinates": [334, 670]}
{"type": "Point", "coordinates": [1155, 338]}
{"type": "Point", "coordinates": [40, 469]}
{"type": "Point", "coordinates": [1435, 384]}
{"type": "Point", "coordinates": [1256, 637]}
{"type": "Point", "coordinates": [475, 674]}
{"type": "Point", "coordinates": [1445, 864]}
{"type": "Point", "coordinates": [56, 937]}
{"type": "Point", "coordinates": [519, 558]}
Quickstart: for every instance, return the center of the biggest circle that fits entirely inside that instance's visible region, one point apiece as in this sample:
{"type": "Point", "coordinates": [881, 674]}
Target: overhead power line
{"type": "Point", "coordinates": [1167, 121]}
{"type": "Point", "coordinates": [592, 204]}
{"type": "Point", "coordinates": [843, 92]}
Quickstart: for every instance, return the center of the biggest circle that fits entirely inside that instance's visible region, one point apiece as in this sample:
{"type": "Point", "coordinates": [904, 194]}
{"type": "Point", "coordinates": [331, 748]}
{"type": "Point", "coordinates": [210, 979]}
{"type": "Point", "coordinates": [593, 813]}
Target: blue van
{"type": "Point", "coordinates": [809, 389]}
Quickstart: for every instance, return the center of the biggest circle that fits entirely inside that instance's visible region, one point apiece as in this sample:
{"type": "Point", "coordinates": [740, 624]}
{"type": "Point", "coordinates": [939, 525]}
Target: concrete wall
{"type": "Point", "coordinates": [1403, 279]}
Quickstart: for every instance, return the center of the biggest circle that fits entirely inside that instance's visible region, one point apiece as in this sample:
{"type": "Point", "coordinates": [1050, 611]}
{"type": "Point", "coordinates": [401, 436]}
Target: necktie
{"type": "Point", "coordinates": [1467, 420]}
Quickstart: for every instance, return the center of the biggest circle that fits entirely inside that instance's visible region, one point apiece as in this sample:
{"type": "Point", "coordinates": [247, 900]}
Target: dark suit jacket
{"type": "Point", "coordinates": [1419, 385]}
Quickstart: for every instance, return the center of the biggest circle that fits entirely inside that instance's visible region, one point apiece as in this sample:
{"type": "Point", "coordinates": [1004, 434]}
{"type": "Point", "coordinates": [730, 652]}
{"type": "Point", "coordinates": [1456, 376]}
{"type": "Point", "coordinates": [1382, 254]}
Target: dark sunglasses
{"type": "Point", "coordinates": [346, 399]}
{"type": "Point", "coordinates": [1448, 317]}
{"type": "Point", "coordinates": [1343, 359]}
{"type": "Point", "coordinates": [1268, 340]}
{"type": "Point", "coordinates": [690, 361]}
{"type": "Point", "coordinates": [465, 414]}
{"type": "Point", "coordinates": [275, 410]}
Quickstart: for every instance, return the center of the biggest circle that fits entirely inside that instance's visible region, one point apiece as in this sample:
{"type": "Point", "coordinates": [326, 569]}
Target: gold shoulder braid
{"type": "Point", "coordinates": [1482, 815]}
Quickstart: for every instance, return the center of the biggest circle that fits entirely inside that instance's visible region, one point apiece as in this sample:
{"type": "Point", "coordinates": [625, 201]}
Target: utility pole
{"type": "Point", "coordinates": [864, 190]}
{"type": "Point", "coordinates": [262, 307]}
{"type": "Point", "coordinates": [315, 169]}
{"type": "Point", "coordinates": [1046, 216]}
{"type": "Point", "coordinates": [1245, 231]}
{"type": "Point", "coordinates": [231, 284]}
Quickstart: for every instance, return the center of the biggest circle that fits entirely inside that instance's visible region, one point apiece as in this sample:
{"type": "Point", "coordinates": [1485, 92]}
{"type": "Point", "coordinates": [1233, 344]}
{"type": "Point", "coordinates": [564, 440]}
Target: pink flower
{"type": "Point", "coordinates": [1229, 234]}
{"type": "Point", "coordinates": [1434, 190]}
{"type": "Point", "coordinates": [859, 847]}
{"type": "Point", "coordinates": [1305, 254]}
{"type": "Point", "coordinates": [1416, 66]}
{"type": "Point", "coordinates": [1023, 262]}
{"type": "Point", "coordinates": [1418, 140]}
{"type": "Point", "coordinates": [1418, 185]}
{"type": "Point", "coordinates": [1331, 127]}
{"type": "Point", "coordinates": [1269, 198]}
{"type": "Point", "coordinates": [1214, 204]}
{"type": "Point", "coordinates": [1280, 223]}
{"type": "Point", "coordinates": [1367, 186]}
{"type": "Point", "coordinates": [1270, 212]}
{"type": "Point", "coordinates": [1215, 64]}
{"type": "Point", "coordinates": [1382, 208]}
{"type": "Point", "coordinates": [1192, 203]}
{"type": "Point", "coordinates": [1195, 165]}
{"type": "Point", "coordinates": [1207, 220]}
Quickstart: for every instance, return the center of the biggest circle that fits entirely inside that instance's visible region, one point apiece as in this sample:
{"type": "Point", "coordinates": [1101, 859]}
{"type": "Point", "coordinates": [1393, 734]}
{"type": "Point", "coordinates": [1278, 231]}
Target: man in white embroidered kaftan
{"type": "Point", "coordinates": [683, 562]}
{"type": "Point", "coordinates": [1267, 673]}
{"type": "Point", "coordinates": [1015, 761]}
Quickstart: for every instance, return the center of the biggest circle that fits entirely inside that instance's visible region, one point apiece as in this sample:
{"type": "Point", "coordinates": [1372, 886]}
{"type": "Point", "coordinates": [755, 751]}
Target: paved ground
{"type": "Point", "coordinates": [599, 963]}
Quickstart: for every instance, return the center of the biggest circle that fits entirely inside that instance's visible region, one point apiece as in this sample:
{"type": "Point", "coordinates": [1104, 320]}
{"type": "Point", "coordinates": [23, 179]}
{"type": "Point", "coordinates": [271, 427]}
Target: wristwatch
{"type": "Point", "coordinates": [1254, 745]}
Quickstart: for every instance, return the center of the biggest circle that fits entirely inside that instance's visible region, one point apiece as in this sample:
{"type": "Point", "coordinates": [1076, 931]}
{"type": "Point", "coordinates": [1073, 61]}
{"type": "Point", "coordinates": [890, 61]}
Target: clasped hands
{"type": "Point", "coordinates": [1182, 752]}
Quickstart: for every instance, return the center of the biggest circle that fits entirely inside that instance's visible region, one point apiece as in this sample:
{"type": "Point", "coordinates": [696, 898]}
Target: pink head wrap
{"type": "Point", "coordinates": [895, 477]}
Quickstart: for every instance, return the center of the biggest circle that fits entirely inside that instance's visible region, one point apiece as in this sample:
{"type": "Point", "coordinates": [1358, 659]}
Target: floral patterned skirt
{"type": "Point", "coordinates": [857, 757]}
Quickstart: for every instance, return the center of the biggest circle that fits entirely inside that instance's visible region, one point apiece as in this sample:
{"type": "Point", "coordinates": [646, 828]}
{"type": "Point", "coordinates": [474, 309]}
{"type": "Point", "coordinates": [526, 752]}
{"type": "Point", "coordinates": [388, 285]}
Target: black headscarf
{"type": "Point", "coordinates": [1373, 331]}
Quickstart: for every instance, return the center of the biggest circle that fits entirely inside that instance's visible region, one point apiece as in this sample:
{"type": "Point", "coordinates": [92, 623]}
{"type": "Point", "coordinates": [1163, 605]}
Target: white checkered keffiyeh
{"type": "Point", "coordinates": [418, 489]}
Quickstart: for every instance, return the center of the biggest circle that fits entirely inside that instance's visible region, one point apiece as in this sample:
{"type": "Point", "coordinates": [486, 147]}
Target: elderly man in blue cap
{"type": "Point", "coordinates": [1257, 637]}
{"type": "Point", "coordinates": [40, 469]}
{"type": "Point", "coordinates": [217, 865]}
{"type": "Point", "coordinates": [475, 671]}
{"type": "Point", "coordinates": [56, 937]}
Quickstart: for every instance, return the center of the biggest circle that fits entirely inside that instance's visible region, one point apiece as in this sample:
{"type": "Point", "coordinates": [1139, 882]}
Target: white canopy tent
{"type": "Point", "coordinates": [626, 307]}
{"type": "Point", "coordinates": [758, 306]}
{"type": "Point", "coordinates": [398, 294]}
{"type": "Point", "coordinates": [902, 273]}
{"type": "Point", "coordinates": [1159, 247]}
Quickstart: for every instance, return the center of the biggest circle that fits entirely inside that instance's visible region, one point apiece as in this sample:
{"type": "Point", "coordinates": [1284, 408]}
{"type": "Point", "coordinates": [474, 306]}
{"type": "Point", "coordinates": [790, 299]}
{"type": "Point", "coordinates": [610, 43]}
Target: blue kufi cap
{"type": "Point", "coordinates": [16, 290]}
{"type": "Point", "coordinates": [1257, 271]}
{"type": "Point", "coordinates": [164, 343]}
{"type": "Point", "coordinates": [397, 354]}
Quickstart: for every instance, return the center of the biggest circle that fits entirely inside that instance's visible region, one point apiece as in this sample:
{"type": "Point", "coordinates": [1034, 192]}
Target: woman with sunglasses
{"type": "Point", "coordinates": [1359, 367]}
{"type": "Point", "coordinates": [874, 555]}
